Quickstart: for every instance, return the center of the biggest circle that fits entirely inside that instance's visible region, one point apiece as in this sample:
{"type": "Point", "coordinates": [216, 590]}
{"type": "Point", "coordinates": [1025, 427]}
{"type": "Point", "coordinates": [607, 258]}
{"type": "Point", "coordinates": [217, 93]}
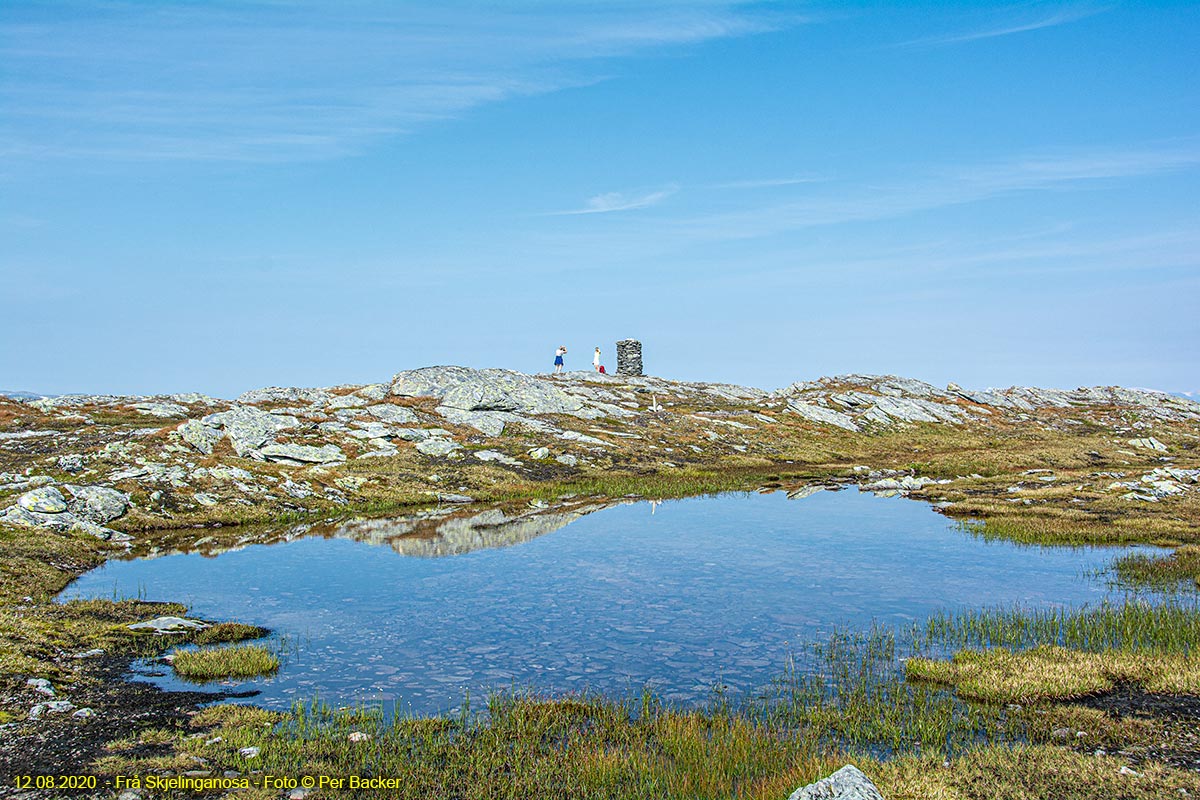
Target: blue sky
{"type": "Point", "coordinates": [216, 196]}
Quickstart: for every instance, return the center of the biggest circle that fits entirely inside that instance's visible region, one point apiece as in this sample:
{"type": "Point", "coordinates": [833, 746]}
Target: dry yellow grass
{"type": "Point", "coordinates": [1025, 772]}
{"type": "Point", "coordinates": [1056, 673]}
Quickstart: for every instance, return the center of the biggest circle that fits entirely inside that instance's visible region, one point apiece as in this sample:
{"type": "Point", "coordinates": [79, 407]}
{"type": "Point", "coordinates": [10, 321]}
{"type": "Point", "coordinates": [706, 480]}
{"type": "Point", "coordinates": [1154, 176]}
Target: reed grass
{"type": "Point", "coordinates": [1134, 624]}
{"type": "Point", "coordinates": [849, 698]}
{"type": "Point", "coordinates": [1179, 570]}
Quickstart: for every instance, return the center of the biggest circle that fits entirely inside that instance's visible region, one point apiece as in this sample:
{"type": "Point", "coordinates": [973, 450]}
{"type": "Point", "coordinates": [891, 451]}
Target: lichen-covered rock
{"type": "Point", "coordinates": [908, 483]}
{"type": "Point", "coordinates": [200, 436]}
{"type": "Point", "coordinates": [71, 462]}
{"type": "Point", "coordinates": [576, 436]}
{"type": "Point", "coordinates": [97, 504]}
{"type": "Point", "coordinates": [826, 416]}
{"type": "Point", "coordinates": [158, 409]}
{"type": "Point", "coordinates": [374, 392]}
{"type": "Point", "coordinates": [492, 423]}
{"type": "Point", "coordinates": [248, 428]}
{"type": "Point", "coordinates": [285, 394]}
{"type": "Point", "coordinates": [848, 783]}
{"type": "Point", "coordinates": [392, 414]}
{"type": "Point", "coordinates": [489, 423]}
{"type": "Point", "coordinates": [347, 401]}
{"type": "Point", "coordinates": [437, 447]}
{"type": "Point", "coordinates": [302, 454]}
{"type": "Point", "coordinates": [45, 500]}
{"type": "Point", "coordinates": [23, 518]}
{"type": "Point", "coordinates": [419, 434]}
{"type": "Point", "coordinates": [371, 430]}
{"type": "Point", "coordinates": [92, 529]}
{"type": "Point", "coordinates": [485, 390]}
{"type": "Point", "coordinates": [497, 456]}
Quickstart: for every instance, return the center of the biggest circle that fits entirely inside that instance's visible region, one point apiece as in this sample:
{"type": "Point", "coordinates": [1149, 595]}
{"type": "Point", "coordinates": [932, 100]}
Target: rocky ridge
{"type": "Point", "coordinates": [82, 462]}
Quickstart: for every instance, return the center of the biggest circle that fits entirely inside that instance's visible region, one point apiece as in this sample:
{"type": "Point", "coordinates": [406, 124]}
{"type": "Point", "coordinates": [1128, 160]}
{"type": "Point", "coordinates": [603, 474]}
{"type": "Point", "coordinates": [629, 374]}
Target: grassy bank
{"type": "Point", "coordinates": [916, 739]}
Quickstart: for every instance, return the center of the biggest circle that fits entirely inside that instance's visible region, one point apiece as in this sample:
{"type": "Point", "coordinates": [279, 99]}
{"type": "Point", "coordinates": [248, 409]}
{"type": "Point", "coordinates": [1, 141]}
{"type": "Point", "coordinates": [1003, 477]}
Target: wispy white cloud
{"type": "Point", "coordinates": [939, 188]}
{"type": "Point", "coordinates": [1022, 21]}
{"type": "Point", "coordinates": [735, 217]}
{"type": "Point", "coordinates": [620, 201]}
{"type": "Point", "coordinates": [284, 81]}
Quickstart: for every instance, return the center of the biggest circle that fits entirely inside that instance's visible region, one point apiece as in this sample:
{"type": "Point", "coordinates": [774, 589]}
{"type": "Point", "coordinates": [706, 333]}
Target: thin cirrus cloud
{"type": "Point", "coordinates": [619, 201]}
{"type": "Point", "coordinates": [837, 202]}
{"type": "Point", "coordinates": [948, 186]}
{"type": "Point", "coordinates": [302, 81]}
{"type": "Point", "coordinates": [622, 201]}
{"type": "Point", "coordinates": [1050, 19]}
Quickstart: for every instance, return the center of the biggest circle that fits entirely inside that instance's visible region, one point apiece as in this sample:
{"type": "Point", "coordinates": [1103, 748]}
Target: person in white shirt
{"type": "Point", "coordinates": [596, 360]}
{"type": "Point", "coordinates": [558, 358]}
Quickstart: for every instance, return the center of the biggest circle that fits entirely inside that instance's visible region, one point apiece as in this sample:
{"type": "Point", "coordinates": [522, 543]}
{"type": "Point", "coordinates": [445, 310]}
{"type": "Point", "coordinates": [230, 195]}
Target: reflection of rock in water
{"type": "Point", "coordinates": [432, 532]}
{"type": "Point", "coordinates": [805, 491]}
{"type": "Point", "coordinates": [451, 533]}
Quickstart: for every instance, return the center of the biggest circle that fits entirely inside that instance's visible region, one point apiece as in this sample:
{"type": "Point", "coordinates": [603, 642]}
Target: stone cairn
{"type": "Point", "coordinates": [629, 357]}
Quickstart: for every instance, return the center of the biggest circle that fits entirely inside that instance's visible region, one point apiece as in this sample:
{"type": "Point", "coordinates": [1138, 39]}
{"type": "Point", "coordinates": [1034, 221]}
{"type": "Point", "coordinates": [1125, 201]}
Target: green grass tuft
{"type": "Point", "coordinates": [229, 632]}
{"type": "Point", "coordinates": [243, 661]}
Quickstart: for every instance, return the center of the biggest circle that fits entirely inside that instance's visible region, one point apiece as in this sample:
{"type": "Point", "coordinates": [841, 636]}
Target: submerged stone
{"type": "Point", "coordinates": [161, 625]}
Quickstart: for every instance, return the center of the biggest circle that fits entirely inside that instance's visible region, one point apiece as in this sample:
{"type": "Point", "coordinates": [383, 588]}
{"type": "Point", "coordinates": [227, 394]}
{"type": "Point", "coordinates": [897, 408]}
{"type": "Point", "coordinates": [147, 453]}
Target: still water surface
{"type": "Point", "coordinates": [701, 591]}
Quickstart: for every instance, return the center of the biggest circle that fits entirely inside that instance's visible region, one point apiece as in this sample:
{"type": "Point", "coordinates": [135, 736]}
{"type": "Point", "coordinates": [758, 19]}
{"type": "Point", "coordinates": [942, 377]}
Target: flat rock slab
{"type": "Point", "coordinates": [162, 625]}
{"type": "Point", "coordinates": [164, 410]}
{"type": "Point", "coordinates": [437, 447]}
{"type": "Point", "coordinates": [302, 454]}
{"type": "Point", "coordinates": [848, 783]}
{"type": "Point", "coordinates": [827, 416]}
{"type": "Point", "coordinates": [485, 390]}
{"type": "Point", "coordinates": [286, 394]}
{"type": "Point", "coordinates": [493, 455]}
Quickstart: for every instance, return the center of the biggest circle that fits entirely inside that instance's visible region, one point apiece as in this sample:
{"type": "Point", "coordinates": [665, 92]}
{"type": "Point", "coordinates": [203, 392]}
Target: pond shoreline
{"type": "Point", "coordinates": [610, 595]}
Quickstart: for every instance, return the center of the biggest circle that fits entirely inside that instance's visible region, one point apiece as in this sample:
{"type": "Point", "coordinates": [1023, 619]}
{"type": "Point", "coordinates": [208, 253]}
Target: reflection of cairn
{"type": "Point", "coordinates": [629, 357]}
